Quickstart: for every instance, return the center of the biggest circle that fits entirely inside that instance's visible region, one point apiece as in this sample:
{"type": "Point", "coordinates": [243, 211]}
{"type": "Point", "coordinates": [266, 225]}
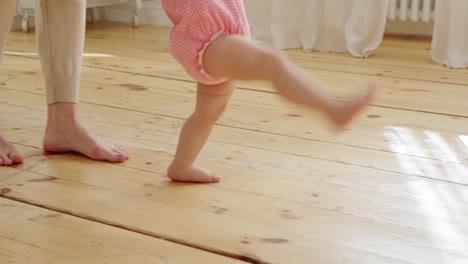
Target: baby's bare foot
{"type": "Point", "coordinates": [192, 174]}
{"type": "Point", "coordinates": [8, 153]}
{"type": "Point", "coordinates": [74, 138]}
{"type": "Point", "coordinates": [343, 114]}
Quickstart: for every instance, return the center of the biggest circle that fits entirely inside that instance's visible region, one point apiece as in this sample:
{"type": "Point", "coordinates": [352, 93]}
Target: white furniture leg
{"type": "Point", "coordinates": [136, 12]}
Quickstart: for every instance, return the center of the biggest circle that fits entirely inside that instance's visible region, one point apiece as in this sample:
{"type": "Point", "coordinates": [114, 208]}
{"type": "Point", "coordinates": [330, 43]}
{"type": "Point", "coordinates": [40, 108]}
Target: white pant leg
{"type": "Point", "coordinates": [60, 30]}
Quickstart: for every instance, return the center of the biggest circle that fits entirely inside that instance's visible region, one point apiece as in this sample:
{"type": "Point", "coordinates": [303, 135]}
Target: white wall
{"type": "Point", "coordinates": [410, 28]}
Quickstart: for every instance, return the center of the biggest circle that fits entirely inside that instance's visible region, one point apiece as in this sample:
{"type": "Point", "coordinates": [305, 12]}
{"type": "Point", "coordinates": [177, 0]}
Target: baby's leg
{"type": "Point", "coordinates": [211, 102]}
{"type": "Point", "coordinates": [237, 57]}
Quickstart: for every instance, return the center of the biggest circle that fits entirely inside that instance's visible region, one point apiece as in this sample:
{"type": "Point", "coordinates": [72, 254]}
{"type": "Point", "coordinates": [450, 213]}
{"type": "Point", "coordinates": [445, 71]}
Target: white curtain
{"type": "Point", "coordinates": [450, 38]}
{"type": "Point", "coordinates": [354, 26]}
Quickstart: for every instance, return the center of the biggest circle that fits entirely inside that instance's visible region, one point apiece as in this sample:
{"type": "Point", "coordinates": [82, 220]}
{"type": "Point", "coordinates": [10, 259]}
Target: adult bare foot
{"type": "Point", "coordinates": [65, 134]}
{"type": "Point", "coordinates": [8, 153]}
{"type": "Point", "coordinates": [192, 174]}
{"type": "Point", "coordinates": [343, 114]}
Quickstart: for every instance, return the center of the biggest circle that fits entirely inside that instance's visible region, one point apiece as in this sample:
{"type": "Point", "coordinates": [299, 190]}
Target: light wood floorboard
{"type": "Point", "coordinates": [392, 189]}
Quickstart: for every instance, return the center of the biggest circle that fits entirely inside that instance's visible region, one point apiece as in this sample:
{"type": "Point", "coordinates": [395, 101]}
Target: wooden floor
{"type": "Point", "coordinates": [392, 189]}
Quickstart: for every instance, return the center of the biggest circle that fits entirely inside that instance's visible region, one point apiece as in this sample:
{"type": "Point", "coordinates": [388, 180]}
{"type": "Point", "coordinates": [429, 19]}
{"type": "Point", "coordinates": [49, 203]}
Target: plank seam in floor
{"type": "Point", "coordinates": [160, 174]}
{"type": "Point", "coordinates": [324, 159]}
{"type": "Point", "coordinates": [260, 131]}
{"type": "Point", "coordinates": [141, 232]}
{"type": "Point", "coordinates": [271, 92]}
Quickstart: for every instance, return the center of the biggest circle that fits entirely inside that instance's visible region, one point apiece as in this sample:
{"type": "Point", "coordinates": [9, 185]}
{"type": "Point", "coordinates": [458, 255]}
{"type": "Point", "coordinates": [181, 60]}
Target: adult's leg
{"type": "Point", "coordinates": [8, 153]}
{"type": "Point", "coordinates": [60, 29]}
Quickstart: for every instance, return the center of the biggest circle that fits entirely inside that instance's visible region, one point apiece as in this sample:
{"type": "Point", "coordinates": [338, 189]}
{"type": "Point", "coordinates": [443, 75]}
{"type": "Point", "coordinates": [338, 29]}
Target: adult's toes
{"type": "Point", "coordinates": [16, 158]}
{"type": "Point", "coordinates": [5, 160]}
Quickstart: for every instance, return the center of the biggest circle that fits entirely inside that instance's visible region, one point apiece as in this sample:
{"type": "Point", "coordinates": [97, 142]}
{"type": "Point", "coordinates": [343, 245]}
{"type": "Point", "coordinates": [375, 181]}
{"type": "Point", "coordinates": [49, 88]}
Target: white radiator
{"type": "Point", "coordinates": [412, 10]}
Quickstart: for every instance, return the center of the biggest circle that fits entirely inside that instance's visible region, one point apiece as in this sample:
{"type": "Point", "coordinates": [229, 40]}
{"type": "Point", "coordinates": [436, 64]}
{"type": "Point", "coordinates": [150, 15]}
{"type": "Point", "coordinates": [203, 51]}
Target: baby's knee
{"type": "Point", "coordinates": [271, 61]}
{"type": "Point", "coordinates": [277, 55]}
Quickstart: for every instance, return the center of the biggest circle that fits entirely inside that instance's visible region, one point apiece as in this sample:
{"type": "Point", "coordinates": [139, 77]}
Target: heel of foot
{"type": "Point", "coordinates": [193, 175]}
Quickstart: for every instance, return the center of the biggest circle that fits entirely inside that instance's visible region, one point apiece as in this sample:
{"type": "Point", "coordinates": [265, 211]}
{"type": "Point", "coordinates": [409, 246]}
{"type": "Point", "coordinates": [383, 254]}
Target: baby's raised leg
{"type": "Point", "coordinates": [237, 57]}
{"type": "Point", "coordinates": [211, 103]}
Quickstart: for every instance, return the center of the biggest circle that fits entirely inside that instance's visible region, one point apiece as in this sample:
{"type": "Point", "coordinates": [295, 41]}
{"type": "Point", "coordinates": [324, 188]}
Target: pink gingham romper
{"type": "Point", "coordinates": [196, 24]}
